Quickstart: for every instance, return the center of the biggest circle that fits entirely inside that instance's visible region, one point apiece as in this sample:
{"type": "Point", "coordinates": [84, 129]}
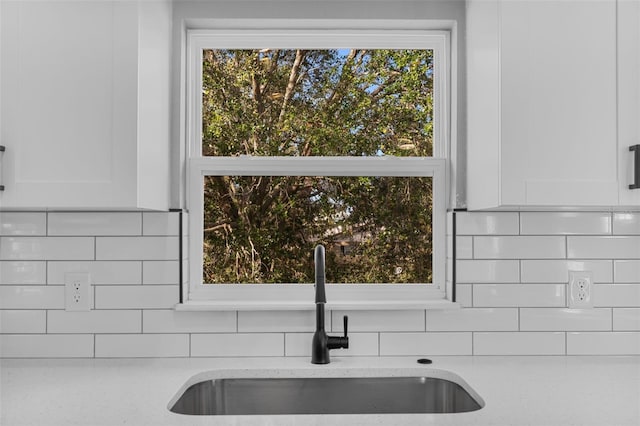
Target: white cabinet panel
{"type": "Point", "coordinates": [628, 96]}
{"type": "Point", "coordinates": [543, 103]}
{"type": "Point", "coordinates": [558, 102]}
{"type": "Point", "coordinates": [73, 121]}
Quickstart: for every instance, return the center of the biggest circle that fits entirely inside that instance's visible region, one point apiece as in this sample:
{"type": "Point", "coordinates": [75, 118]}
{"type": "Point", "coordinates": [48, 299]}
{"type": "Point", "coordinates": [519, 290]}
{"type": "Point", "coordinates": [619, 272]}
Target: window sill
{"type": "Point", "coordinates": [198, 305]}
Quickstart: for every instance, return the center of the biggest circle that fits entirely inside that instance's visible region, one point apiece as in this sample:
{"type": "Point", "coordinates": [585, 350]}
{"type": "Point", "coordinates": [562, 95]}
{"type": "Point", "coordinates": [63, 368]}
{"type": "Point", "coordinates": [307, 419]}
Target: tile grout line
{"type": "Point", "coordinates": [611, 218]}
{"type": "Point", "coordinates": [612, 319]}
{"type": "Point", "coordinates": [473, 349]}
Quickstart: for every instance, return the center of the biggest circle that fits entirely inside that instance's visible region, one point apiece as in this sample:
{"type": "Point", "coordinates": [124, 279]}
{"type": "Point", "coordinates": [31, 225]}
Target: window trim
{"type": "Point", "coordinates": [296, 296]}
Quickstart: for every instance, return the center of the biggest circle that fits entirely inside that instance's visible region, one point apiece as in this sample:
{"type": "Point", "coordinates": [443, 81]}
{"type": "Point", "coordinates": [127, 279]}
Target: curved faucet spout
{"type": "Point", "coordinates": [321, 296]}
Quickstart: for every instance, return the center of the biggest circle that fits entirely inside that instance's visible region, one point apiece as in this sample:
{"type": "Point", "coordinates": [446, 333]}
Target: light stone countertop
{"type": "Point", "coordinates": [540, 391]}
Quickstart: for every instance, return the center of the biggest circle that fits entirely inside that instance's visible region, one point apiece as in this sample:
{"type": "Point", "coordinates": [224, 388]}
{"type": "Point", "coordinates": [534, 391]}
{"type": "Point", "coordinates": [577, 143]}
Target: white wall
{"type": "Point", "coordinates": [512, 280]}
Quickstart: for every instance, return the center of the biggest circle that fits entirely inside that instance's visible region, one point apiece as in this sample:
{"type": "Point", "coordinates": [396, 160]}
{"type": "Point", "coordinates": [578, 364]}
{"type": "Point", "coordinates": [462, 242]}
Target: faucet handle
{"type": "Point", "coordinates": [345, 321]}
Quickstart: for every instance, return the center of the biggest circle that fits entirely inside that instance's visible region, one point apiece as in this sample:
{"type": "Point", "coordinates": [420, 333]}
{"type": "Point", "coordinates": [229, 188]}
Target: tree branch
{"type": "Point", "coordinates": [226, 226]}
{"type": "Point", "coordinates": [300, 54]}
{"type": "Point", "coordinates": [340, 83]}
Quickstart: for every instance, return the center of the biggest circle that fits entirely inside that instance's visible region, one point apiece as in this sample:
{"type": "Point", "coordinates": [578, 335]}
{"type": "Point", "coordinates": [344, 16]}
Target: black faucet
{"type": "Point", "coordinates": [321, 343]}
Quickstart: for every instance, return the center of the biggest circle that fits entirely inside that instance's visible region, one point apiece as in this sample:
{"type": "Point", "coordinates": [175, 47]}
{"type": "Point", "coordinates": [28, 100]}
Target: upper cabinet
{"type": "Point", "coordinates": [628, 99]}
{"type": "Point", "coordinates": [85, 104]}
{"type": "Point", "coordinates": [552, 103]}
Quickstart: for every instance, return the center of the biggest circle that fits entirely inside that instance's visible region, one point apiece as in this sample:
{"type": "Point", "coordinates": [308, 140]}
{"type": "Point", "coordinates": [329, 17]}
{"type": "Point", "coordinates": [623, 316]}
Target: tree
{"type": "Point", "coordinates": [275, 102]}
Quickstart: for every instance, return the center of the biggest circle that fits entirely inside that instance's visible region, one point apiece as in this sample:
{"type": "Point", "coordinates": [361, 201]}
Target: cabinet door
{"type": "Point", "coordinates": [558, 103]}
{"type": "Point", "coordinates": [628, 96]}
{"type": "Point", "coordinates": [68, 104]}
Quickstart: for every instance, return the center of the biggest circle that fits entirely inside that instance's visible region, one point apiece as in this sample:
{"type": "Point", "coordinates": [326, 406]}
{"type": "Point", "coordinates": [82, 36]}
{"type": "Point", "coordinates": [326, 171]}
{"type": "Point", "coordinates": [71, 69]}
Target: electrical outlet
{"type": "Point", "coordinates": [580, 289]}
{"type": "Point", "coordinates": [77, 292]}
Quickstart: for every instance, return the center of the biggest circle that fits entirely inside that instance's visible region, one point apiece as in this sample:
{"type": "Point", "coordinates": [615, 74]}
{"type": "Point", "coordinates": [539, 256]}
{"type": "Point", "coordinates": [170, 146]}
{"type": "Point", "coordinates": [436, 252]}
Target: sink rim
{"type": "Point", "coordinates": [273, 373]}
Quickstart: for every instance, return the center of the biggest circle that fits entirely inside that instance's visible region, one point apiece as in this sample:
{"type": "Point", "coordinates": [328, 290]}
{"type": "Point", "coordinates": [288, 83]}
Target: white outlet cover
{"type": "Point", "coordinates": [77, 292]}
{"type": "Point", "coordinates": [580, 294]}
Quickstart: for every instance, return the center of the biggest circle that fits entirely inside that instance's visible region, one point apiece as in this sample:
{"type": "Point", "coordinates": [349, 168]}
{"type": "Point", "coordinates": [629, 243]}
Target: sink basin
{"type": "Point", "coordinates": [328, 395]}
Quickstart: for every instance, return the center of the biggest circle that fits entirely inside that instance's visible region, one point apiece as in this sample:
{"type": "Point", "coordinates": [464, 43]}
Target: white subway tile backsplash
{"type": "Point", "coordinates": [523, 295]}
{"type": "Point", "coordinates": [360, 344]}
{"type": "Point", "coordinates": [23, 223]}
{"type": "Point", "coordinates": [23, 321]}
{"type": "Point", "coordinates": [160, 223]}
{"type": "Point", "coordinates": [616, 295]}
{"type": "Point", "coordinates": [464, 247]}
{"type": "Point", "coordinates": [23, 273]}
{"type": "Point", "coordinates": [241, 345]}
{"type": "Point", "coordinates": [46, 248]}
{"type": "Point", "coordinates": [46, 346]}
{"type": "Point", "coordinates": [102, 272]}
{"type": "Point", "coordinates": [557, 271]}
{"type": "Point", "coordinates": [487, 271]}
{"type": "Point", "coordinates": [299, 344]}
{"type": "Point", "coordinates": [519, 343]}
{"type": "Point", "coordinates": [626, 223]}
{"type": "Point", "coordinates": [170, 321]}
{"type": "Point", "coordinates": [493, 223]}
{"type": "Point", "coordinates": [614, 247]}
{"type": "Point", "coordinates": [473, 319]}
{"type": "Point", "coordinates": [425, 344]}
{"type": "Point", "coordinates": [161, 272]}
{"type": "Point", "coordinates": [137, 248]}
{"type": "Point", "coordinates": [31, 297]}
{"type": "Point", "coordinates": [137, 297]}
{"type": "Point", "coordinates": [626, 319]}
{"type": "Point", "coordinates": [379, 320]}
{"type": "Point", "coordinates": [94, 321]}
{"type": "Point", "coordinates": [95, 223]}
{"type": "Point", "coordinates": [512, 271]}
{"type": "Point", "coordinates": [565, 223]}
{"type": "Point", "coordinates": [564, 319]}
{"type": "Point", "coordinates": [269, 321]}
{"type": "Point", "coordinates": [464, 295]}
{"type": "Point", "coordinates": [517, 247]}
{"type": "Point", "coordinates": [142, 345]}
{"type": "Point", "coordinates": [615, 343]}
{"type": "Point", "coordinates": [626, 271]}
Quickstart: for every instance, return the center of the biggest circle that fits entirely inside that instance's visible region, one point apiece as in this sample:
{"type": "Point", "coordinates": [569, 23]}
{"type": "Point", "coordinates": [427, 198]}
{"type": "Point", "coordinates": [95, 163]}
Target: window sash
{"type": "Point", "coordinates": [438, 41]}
{"type": "Point", "coordinates": [315, 166]}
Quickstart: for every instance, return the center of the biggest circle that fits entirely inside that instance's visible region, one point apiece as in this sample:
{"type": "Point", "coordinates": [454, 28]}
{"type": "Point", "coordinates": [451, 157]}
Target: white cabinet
{"type": "Point", "coordinates": [543, 103]}
{"type": "Point", "coordinates": [628, 97]}
{"type": "Point", "coordinates": [85, 104]}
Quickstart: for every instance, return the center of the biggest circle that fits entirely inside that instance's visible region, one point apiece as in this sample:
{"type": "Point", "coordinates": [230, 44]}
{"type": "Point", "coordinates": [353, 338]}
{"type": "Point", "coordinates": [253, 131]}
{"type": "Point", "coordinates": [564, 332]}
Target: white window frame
{"type": "Point", "coordinates": [300, 296]}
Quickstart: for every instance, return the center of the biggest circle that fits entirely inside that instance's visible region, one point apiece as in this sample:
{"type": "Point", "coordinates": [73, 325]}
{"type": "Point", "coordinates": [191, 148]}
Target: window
{"type": "Point", "coordinates": [301, 137]}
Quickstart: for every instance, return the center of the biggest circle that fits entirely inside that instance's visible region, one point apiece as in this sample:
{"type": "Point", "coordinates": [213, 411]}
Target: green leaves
{"type": "Point", "coordinates": [276, 102]}
{"type": "Point", "coordinates": [318, 102]}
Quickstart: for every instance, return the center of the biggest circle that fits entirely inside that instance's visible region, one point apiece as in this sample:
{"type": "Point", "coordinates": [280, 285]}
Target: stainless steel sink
{"type": "Point", "coordinates": [335, 395]}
